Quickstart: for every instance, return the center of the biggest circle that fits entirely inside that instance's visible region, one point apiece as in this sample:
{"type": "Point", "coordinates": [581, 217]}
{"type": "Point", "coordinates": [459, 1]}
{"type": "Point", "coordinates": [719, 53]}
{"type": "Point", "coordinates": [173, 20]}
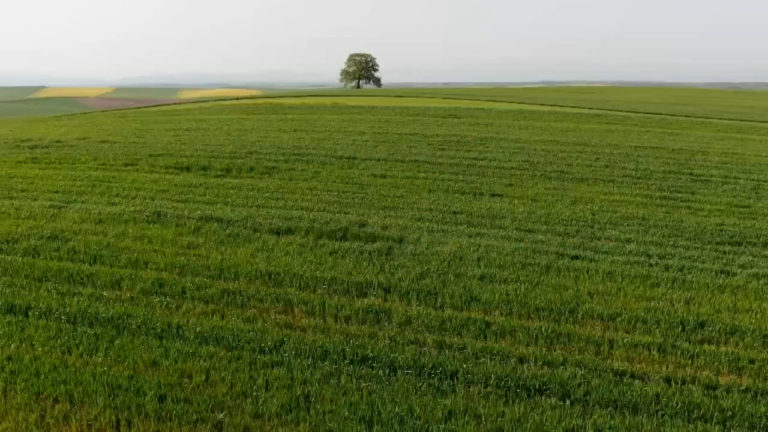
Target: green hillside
{"type": "Point", "coordinates": [325, 264]}
{"type": "Point", "coordinates": [144, 93]}
{"type": "Point", "coordinates": [714, 103]}
{"type": "Point", "coordinates": [690, 102]}
{"type": "Point", "coordinates": [40, 107]}
{"type": "Point", "coordinates": [16, 93]}
{"type": "Point", "coordinates": [746, 105]}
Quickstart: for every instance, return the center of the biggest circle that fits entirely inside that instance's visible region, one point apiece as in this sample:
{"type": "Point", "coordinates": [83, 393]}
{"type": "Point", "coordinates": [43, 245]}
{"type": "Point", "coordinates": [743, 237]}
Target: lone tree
{"type": "Point", "coordinates": [360, 70]}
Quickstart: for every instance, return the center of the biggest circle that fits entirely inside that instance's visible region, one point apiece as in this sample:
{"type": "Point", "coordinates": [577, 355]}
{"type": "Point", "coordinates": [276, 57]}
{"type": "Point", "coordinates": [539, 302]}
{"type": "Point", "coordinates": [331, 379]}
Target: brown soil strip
{"type": "Point", "coordinates": [116, 103]}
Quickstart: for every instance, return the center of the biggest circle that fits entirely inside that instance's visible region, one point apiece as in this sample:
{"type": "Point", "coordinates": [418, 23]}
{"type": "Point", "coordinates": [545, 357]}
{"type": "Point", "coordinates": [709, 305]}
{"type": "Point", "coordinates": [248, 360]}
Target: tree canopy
{"type": "Point", "coordinates": [360, 70]}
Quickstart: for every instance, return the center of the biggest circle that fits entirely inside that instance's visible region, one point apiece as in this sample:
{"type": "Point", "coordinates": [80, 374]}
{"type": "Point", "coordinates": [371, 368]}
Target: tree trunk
{"type": "Point", "coordinates": [357, 86]}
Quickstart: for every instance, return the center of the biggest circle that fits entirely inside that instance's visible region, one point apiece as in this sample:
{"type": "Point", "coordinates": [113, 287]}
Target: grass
{"type": "Point", "coordinates": [326, 266]}
{"type": "Point", "coordinates": [685, 102]}
{"type": "Point", "coordinates": [16, 93]}
{"type": "Point", "coordinates": [144, 93]}
{"type": "Point", "coordinates": [217, 93]}
{"type": "Point", "coordinates": [714, 103]}
{"type": "Point", "coordinates": [40, 107]}
{"type": "Point", "coordinates": [379, 101]}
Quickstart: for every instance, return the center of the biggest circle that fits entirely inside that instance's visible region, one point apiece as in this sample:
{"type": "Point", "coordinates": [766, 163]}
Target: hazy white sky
{"type": "Point", "coordinates": [54, 41]}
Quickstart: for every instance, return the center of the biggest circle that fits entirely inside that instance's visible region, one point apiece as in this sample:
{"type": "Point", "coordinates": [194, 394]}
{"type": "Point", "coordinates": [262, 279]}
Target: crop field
{"type": "Point", "coordinates": [48, 101]}
{"type": "Point", "coordinates": [452, 259]}
{"type": "Point", "coordinates": [40, 107]}
{"type": "Point", "coordinates": [217, 93]}
{"type": "Point", "coordinates": [16, 93]}
{"type": "Point", "coordinates": [77, 92]}
{"type": "Point", "coordinates": [379, 101]}
{"type": "Point", "coordinates": [684, 102]}
{"type": "Point", "coordinates": [144, 93]}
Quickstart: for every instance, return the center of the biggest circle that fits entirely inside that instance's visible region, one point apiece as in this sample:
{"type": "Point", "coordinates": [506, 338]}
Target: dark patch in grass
{"type": "Point", "coordinates": [352, 234]}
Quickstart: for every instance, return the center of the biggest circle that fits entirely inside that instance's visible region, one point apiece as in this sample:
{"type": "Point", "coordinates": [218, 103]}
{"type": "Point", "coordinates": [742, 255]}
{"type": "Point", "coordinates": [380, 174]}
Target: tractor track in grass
{"type": "Point", "coordinates": [508, 104]}
{"type": "Point", "coordinates": [334, 267]}
{"type": "Point", "coordinates": [107, 103]}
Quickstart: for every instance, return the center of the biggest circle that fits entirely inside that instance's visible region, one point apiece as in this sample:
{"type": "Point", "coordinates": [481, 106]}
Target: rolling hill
{"type": "Point", "coordinates": [458, 259]}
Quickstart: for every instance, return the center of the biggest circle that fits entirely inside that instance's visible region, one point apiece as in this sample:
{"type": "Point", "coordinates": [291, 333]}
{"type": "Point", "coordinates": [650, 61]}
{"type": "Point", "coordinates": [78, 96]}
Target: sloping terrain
{"type": "Point", "coordinates": [217, 93]}
{"type": "Point", "coordinates": [16, 93]}
{"type": "Point", "coordinates": [41, 107]}
{"type": "Point", "coordinates": [48, 101]}
{"type": "Point", "coordinates": [72, 92]}
{"type": "Point", "coordinates": [361, 263]}
{"type": "Point", "coordinates": [105, 103]}
{"type": "Point", "coordinates": [685, 102]}
{"type": "Point", "coordinates": [712, 103]}
{"type": "Point", "coordinates": [145, 93]}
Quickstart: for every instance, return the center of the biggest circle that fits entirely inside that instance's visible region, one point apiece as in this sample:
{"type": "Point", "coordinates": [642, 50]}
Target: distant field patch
{"type": "Point", "coordinates": [50, 92]}
{"type": "Point", "coordinates": [388, 101]}
{"type": "Point", "coordinates": [144, 93]}
{"type": "Point", "coordinates": [41, 107]}
{"type": "Point", "coordinates": [379, 101]}
{"type": "Point", "coordinates": [106, 103]}
{"type": "Point", "coordinates": [17, 93]}
{"type": "Point", "coordinates": [212, 93]}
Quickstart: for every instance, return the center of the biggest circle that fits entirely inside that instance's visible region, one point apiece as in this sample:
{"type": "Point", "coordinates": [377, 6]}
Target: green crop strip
{"type": "Point", "coordinates": [395, 265]}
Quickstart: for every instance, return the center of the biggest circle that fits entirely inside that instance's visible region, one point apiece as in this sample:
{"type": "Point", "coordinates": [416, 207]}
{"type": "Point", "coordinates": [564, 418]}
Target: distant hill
{"type": "Point", "coordinates": [45, 101]}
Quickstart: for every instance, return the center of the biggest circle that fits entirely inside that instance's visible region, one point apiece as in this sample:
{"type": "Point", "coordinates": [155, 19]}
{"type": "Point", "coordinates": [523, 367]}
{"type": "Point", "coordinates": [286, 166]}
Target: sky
{"type": "Point", "coordinates": [54, 42]}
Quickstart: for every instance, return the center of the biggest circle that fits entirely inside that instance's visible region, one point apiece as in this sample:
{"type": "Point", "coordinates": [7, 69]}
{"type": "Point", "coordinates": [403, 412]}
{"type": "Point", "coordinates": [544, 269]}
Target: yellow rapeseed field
{"type": "Point", "coordinates": [212, 93]}
{"type": "Point", "coordinates": [73, 92]}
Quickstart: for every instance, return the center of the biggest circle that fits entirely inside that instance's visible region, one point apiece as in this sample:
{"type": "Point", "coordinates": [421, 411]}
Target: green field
{"type": "Point", "coordinates": [16, 93]}
{"type": "Point", "coordinates": [144, 93]}
{"type": "Point", "coordinates": [359, 263]}
{"type": "Point", "coordinates": [27, 102]}
{"type": "Point", "coordinates": [685, 102]}
{"type": "Point", "coordinates": [40, 107]}
{"type": "Point", "coordinates": [710, 103]}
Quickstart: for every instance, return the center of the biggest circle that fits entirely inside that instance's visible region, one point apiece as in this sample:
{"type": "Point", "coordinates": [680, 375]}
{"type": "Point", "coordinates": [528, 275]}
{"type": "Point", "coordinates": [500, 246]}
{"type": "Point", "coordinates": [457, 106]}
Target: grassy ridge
{"type": "Point", "coordinates": [16, 93]}
{"type": "Point", "coordinates": [144, 93]}
{"type": "Point", "coordinates": [373, 101]}
{"type": "Point", "coordinates": [685, 102]}
{"type": "Point", "coordinates": [714, 103]}
{"type": "Point", "coordinates": [41, 107]}
{"type": "Point", "coordinates": [692, 102]}
{"type": "Point", "coordinates": [394, 268]}
{"type": "Point", "coordinates": [50, 101]}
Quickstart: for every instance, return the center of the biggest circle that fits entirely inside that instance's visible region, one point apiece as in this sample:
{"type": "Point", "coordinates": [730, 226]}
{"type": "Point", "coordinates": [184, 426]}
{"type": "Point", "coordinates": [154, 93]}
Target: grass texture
{"type": "Point", "coordinates": [40, 107]}
{"type": "Point", "coordinates": [320, 266]}
{"type": "Point", "coordinates": [144, 93]}
{"type": "Point", "coordinates": [217, 93]}
{"type": "Point", "coordinates": [16, 93]}
{"type": "Point", "coordinates": [684, 102]}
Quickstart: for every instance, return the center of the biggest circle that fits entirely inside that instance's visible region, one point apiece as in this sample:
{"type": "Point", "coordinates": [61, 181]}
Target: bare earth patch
{"type": "Point", "coordinates": [115, 103]}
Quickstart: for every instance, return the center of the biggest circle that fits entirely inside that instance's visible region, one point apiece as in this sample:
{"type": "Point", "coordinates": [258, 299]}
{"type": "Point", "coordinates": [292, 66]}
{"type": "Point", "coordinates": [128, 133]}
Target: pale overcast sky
{"type": "Point", "coordinates": [58, 41]}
